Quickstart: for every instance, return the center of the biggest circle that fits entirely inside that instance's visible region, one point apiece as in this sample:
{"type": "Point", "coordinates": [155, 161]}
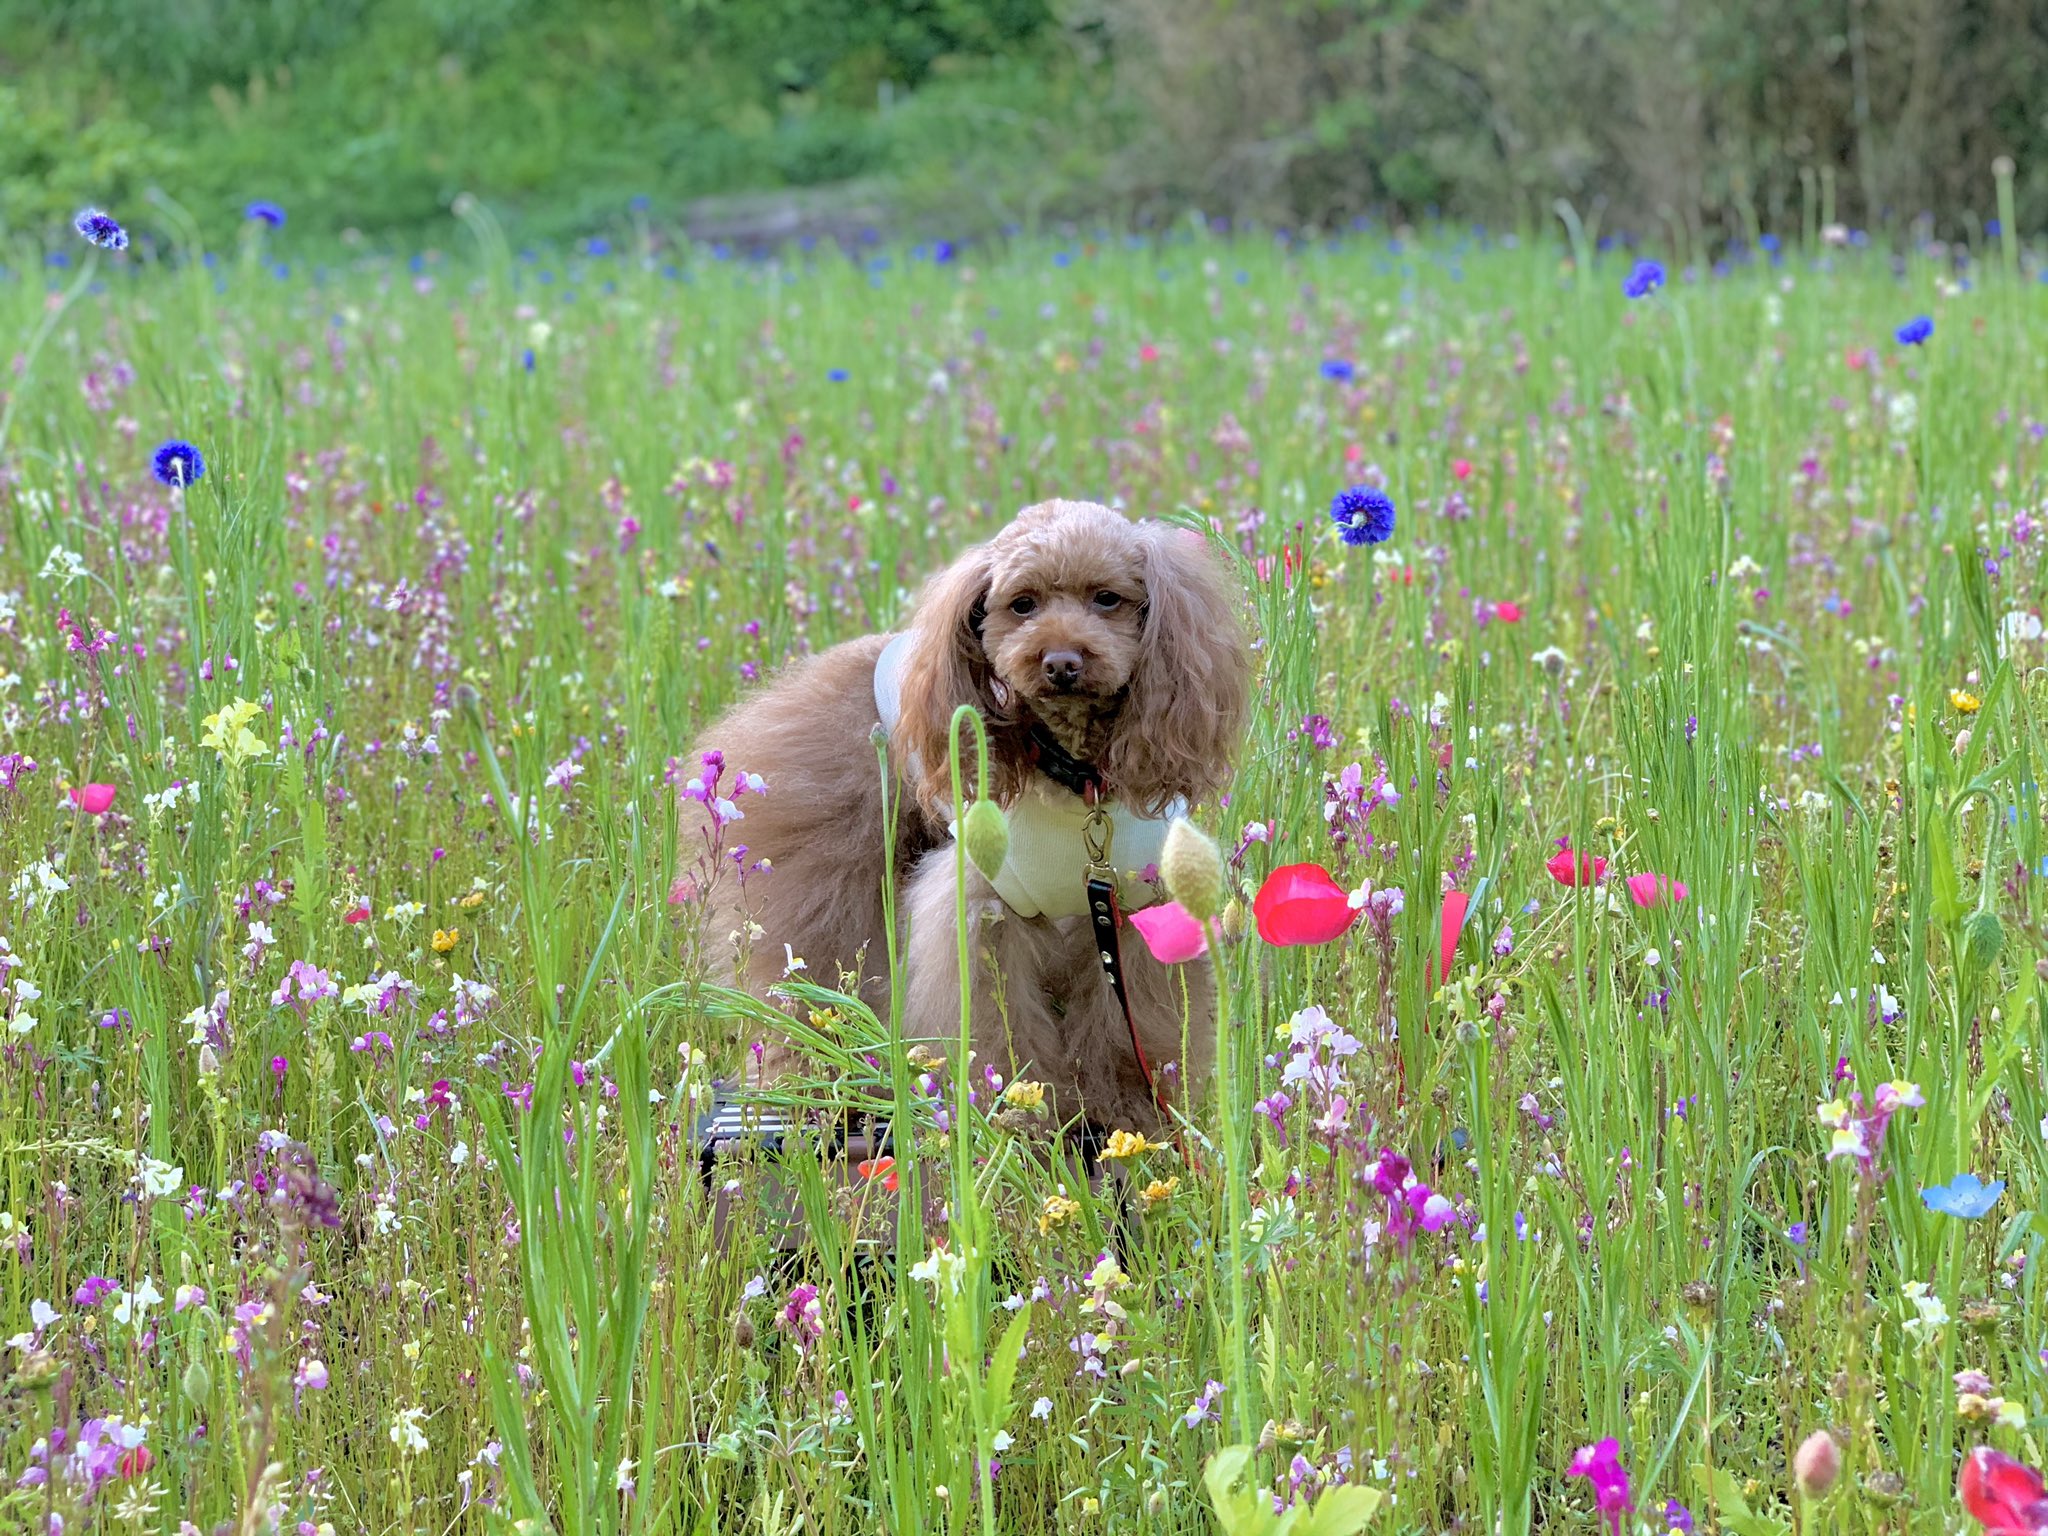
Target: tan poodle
{"type": "Point", "coordinates": [1109, 663]}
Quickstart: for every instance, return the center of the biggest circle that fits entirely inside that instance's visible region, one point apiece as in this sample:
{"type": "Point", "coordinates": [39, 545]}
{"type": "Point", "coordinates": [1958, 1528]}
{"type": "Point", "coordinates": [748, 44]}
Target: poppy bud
{"type": "Point", "coordinates": [197, 1383]}
{"type": "Point", "coordinates": [1192, 866]}
{"type": "Point", "coordinates": [985, 834]}
{"type": "Point", "coordinates": [1816, 1464]}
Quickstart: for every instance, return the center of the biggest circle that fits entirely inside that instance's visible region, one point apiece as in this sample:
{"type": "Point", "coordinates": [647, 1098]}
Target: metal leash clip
{"type": "Point", "coordinates": [1097, 832]}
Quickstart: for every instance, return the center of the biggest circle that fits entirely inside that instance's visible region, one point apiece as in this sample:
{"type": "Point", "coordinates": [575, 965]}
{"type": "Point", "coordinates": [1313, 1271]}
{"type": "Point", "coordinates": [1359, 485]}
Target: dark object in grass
{"type": "Point", "coordinates": [745, 1148]}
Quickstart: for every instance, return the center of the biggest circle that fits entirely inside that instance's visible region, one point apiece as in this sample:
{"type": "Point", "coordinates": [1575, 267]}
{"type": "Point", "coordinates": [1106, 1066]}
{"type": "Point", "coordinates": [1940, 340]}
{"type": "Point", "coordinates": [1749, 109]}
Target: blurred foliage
{"type": "Point", "coordinates": [1686, 123]}
{"type": "Point", "coordinates": [375, 114]}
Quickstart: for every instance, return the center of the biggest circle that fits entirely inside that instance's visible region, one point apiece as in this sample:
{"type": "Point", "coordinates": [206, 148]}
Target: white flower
{"type": "Point", "coordinates": [135, 1305]}
{"type": "Point", "coordinates": [459, 1153]}
{"type": "Point", "coordinates": [1002, 1441]}
{"type": "Point", "coordinates": [160, 1180]}
{"type": "Point", "coordinates": [406, 1433]}
{"type": "Point", "coordinates": [41, 1314]}
{"type": "Point", "coordinates": [1042, 1409]}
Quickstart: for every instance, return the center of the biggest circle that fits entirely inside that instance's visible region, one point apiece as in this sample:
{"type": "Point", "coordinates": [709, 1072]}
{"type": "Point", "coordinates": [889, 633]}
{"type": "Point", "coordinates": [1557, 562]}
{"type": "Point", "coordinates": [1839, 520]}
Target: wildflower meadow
{"type": "Point", "coordinates": [1630, 1111]}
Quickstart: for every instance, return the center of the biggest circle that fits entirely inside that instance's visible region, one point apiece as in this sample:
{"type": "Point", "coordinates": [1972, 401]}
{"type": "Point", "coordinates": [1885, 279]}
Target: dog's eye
{"type": "Point", "coordinates": [1108, 600]}
{"type": "Point", "coordinates": [1023, 607]}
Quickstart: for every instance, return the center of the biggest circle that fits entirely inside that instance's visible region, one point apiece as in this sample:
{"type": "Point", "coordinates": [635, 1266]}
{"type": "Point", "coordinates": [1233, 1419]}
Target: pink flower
{"type": "Point", "coordinates": [1449, 926]}
{"type": "Point", "coordinates": [1461, 469]}
{"type": "Point", "coordinates": [1301, 904]}
{"type": "Point", "coordinates": [1647, 890]}
{"type": "Point", "coordinates": [2004, 1496]}
{"type": "Point", "coordinates": [1148, 353]}
{"type": "Point", "coordinates": [1568, 868]}
{"type": "Point", "coordinates": [1170, 933]}
{"type": "Point", "coordinates": [1508, 613]}
{"type": "Point", "coordinates": [1432, 1211]}
{"type": "Point", "coordinates": [93, 799]}
{"type": "Point", "coordinates": [1601, 1466]}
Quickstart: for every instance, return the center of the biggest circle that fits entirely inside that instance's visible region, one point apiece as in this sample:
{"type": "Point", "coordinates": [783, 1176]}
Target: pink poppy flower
{"type": "Point", "coordinates": [1301, 904]}
{"type": "Point", "coordinates": [1647, 890]}
{"type": "Point", "coordinates": [1508, 613]}
{"type": "Point", "coordinates": [359, 913]}
{"type": "Point", "coordinates": [93, 799]}
{"type": "Point", "coordinates": [1461, 469]}
{"type": "Point", "coordinates": [1148, 353]}
{"type": "Point", "coordinates": [1449, 926]}
{"type": "Point", "coordinates": [1171, 933]}
{"type": "Point", "coordinates": [2005, 1496]}
{"type": "Point", "coordinates": [1568, 868]}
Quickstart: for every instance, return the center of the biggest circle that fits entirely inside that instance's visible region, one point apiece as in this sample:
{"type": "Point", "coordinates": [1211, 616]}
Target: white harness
{"type": "Point", "coordinates": [1045, 874]}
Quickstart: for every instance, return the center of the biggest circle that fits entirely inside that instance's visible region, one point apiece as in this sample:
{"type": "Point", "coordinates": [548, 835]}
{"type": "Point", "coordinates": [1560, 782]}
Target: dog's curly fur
{"type": "Point", "coordinates": [1157, 702]}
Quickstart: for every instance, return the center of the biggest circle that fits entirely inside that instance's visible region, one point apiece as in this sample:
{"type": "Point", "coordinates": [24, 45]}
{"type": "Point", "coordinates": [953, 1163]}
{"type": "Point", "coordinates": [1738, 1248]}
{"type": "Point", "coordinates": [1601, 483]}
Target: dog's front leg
{"type": "Point", "coordinates": [1013, 964]}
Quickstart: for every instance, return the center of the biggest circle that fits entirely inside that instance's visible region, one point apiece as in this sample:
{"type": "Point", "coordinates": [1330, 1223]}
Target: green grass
{"type": "Point", "coordinates": [1753, 594]}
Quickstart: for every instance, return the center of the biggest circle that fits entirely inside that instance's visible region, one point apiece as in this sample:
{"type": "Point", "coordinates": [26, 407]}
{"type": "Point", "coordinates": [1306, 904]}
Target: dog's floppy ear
{"type": "Point", "coordinates": [1180, 727]}
{"type": "Point", "coordinates": [945, 668]}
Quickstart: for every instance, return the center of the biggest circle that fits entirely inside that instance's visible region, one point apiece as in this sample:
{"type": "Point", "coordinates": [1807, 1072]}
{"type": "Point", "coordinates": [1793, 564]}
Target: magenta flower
{"type": "Point", "coordinates": [801, 1317]}
{"type": "Point", "coordinates": [1601, 1466]}
{"type": "Point", "coordinates": [1647, 890]}
{"type": "Point", "coordinates": [1170, 933]}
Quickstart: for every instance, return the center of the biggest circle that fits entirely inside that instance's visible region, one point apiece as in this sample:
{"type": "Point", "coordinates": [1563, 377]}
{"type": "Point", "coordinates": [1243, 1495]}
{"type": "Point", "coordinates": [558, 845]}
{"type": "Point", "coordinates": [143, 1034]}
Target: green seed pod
{"type": "Point", "coordinates": [197, 1383]}
{"type": "Point", "coordinates": [985, 833]}
{"type": "Point", "coordinates": [1192, 866]}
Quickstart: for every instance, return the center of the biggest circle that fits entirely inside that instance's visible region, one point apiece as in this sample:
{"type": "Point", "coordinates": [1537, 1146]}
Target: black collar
{"type": "Point", "coordinates": [1063, 768]}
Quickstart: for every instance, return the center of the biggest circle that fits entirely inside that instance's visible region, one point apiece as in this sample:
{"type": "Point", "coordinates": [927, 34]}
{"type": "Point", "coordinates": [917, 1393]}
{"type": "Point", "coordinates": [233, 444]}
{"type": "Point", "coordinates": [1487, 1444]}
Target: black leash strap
{"type": "Point", "coordinates": [1096, 834]}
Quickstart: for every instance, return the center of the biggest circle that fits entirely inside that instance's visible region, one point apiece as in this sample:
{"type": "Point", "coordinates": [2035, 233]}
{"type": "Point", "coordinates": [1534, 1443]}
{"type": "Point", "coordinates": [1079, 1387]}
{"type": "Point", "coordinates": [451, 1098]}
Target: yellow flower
{"type": "Point", "coordinates": [1965, 702]}
{"type": "Point", "coordinates": [1128, 1144]}
{"type": "Point", "coordinates": [825, 1020]}
{"type": "Point", "coordinates": [227, 733]}
{"type": "Point", "coordinates": [1058, 1208]}
{"type": "Point", "coordinates": [1158, 1190]}
{"type": "Point", "coordinates": [1023, 1094]}
{"type": "Point", "coordinates": [446, 939]}
{"type": "Point", "coordinates": [472, 901]}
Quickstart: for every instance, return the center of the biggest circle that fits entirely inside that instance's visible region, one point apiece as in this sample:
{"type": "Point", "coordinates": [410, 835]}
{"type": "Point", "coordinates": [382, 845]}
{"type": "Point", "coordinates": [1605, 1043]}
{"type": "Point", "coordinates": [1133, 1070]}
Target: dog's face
{"type": "Point", "coordinates": [1064, 621]}
{"type": "Point", "coordinates": [1123, 638]}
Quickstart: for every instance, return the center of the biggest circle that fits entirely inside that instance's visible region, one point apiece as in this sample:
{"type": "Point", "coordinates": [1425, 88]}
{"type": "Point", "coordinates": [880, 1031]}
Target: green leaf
{"type": "Point", "coordinates": [1946, 895]}
{"type": "Point", "coordinates": [1002, 1371]}
{"type": "Point", "coordinates": [1343, 1511]}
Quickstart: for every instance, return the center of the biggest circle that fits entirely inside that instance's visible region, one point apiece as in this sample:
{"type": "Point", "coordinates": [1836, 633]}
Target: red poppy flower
{"type": "Point", "coordinates": [1508, 613]}
{"type": "Point", "coordinates": [1647, 890]}
{"type": "Point", "coordinates": [1568, 868]}
{"type": "Point", "coordinates": [93, 799]}
{"type": "Point", "coordinates": [883, 1168]}
{"type": "Point", "coordinates": [1449, 926]}
{"type": "Point", "coordinates": [2004, 1496]}
{"type": "Point", "coordinates": [134, 1462]}
{"type": "Point", "coordinates": [359, 913]}
{"type": "Point", "coordinates": [1301, 904]}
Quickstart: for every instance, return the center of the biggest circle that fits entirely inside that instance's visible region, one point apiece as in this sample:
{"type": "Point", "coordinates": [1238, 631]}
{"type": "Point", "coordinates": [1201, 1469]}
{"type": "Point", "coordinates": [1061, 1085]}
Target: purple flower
{"type": "Point", "coordinates": [101, 229]}
{"type": "Point", "coordinates": [1363, 515]}
{"type": "Point", "coordinates": [260, 212]}
{"type": "Point", "coordinates": [1645, 279]}
{"type": "Point", "coordinates": [177, 464]}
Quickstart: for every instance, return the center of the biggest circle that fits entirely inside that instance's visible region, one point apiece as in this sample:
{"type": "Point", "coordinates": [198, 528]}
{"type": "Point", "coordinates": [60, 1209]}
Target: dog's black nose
{"type": "Point", "coordinates": [1063, 669]}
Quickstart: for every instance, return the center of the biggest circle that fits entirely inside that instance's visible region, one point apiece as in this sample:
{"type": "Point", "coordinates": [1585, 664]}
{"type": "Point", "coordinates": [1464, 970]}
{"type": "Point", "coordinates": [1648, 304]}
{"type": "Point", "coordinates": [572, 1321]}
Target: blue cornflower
{"type": "Point", "coordinates": [1646, 278]}
{"type": "Point", "coordinates": [1363, 515]}
{"type": "Point", "coordinates": [1339, 369]}
{"type": "Point", "coordinates": [944, 251]}
{"type": "Point", "coordinates": [1965, 1196]}
{"type": "Point", "coordinates": [838, 375]}
{"type": "Point", "coordinates": [1915, 331]}
{"type": "Point", "coordinates": [101, 229]}
{"type": "Point", "coordinates": [178, 464]}
{"type": "Point", "coordinates": [526, 359]}
{"type": "Point", "coordinates": [260, 212]}
{"type": "Point", "coordinates": [597, 245]}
